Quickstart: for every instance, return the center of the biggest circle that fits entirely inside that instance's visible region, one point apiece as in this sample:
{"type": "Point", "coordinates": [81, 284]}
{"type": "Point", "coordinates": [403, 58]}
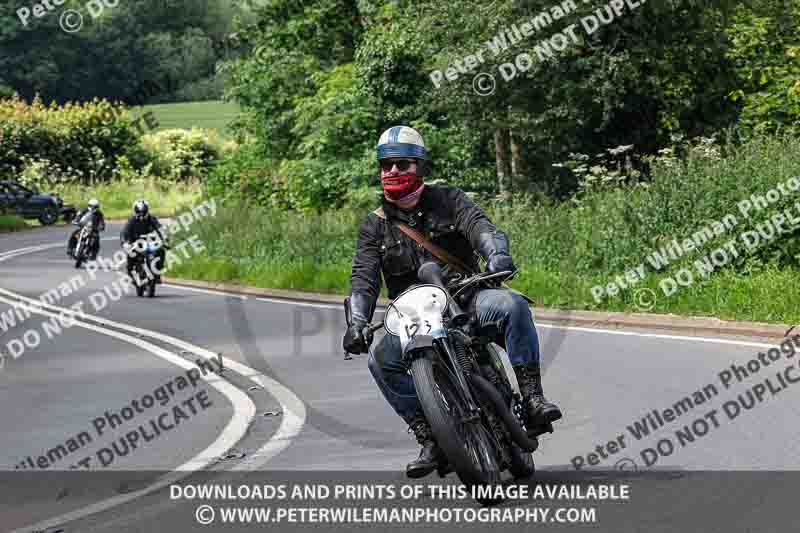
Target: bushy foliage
{"type": "Point", "coordinates": [326, 77]}
{"type": "Point", "coordinates": [616, 224]}
{"type": "Point", "coordinates": [766, 51]}
{"type": "Point", "coordinates": [76, 142]}
{"type": "Point", "coordinates": [246, 176]}
{"type": "Point", "coordinates": [146, 51]}
{"type": "Point", "coordinates": [182, 154]}
{"type": "Point", "coordinates": [96, 142]}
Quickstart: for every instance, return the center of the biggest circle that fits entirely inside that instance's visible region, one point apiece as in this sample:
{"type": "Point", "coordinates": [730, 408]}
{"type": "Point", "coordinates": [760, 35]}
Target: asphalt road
{"type": "Point", "coordinates": [288, 408]}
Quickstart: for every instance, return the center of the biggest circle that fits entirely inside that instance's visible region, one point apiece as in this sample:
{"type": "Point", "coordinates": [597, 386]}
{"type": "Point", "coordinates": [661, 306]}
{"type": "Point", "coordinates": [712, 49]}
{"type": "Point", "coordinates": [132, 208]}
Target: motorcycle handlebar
{"type": "Point", "coordinates": [372, 328]}
{"type": "Point", "coordinates": [431, 272]}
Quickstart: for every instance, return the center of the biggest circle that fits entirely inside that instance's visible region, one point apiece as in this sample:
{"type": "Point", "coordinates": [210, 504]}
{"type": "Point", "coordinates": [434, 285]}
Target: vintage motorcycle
{"type": "Point", "coordinates": [87, 245]}
{"type": "Point", "coordinates": [465, 382]}
{"type": "Point", "coordinates": [144, 269]}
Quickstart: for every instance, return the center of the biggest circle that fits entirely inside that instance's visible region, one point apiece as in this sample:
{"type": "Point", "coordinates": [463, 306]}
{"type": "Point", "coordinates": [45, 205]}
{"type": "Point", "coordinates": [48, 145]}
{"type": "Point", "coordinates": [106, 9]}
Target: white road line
{"type": "Point", "coordinates": [538, 324]}
{"type": "Point", "coordinates": [206, 291]}
{"type": "Point", "coordinates": [243, 414]}
{"type": "Point", "coordinates": [294, 417]}
{"type": "Point", "coordinates": [4, 256]}
{"type": "Point", "coordinates": [659, 336]}
{"type": "Point", "coordinates": [302, 304]}
{"type": "Point", "coordinates": [311, 304]}
{"type": "Point", "coordinates": [17, 250]}
{"type": "Point", "coordinates": [292, 421]}
{"type": "Point", "coordinates": [30, 249]}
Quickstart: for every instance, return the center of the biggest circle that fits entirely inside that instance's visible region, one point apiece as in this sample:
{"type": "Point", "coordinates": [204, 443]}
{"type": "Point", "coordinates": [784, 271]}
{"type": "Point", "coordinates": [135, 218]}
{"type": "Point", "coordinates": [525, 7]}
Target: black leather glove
{"type": "Point", "coordinates": [500, 262]}
{"type": "Point", "coordinates": [495, 250]}
{"type": "Point", "coordinates": [361, 308]}
{"type": "Point", "coordinates": [355, 341]}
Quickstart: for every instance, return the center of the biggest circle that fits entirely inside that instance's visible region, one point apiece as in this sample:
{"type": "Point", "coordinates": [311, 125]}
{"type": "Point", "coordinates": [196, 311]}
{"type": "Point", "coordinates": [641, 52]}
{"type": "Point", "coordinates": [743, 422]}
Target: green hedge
{"type": "Point", "coordinates": [75, 142]}
{"type": "Point", "coordinates": [97, 142]}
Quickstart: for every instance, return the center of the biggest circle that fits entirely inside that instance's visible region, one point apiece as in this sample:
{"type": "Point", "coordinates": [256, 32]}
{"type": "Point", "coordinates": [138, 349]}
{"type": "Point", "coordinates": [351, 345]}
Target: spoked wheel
{"type": "Point", "coordinates": [468, 445]}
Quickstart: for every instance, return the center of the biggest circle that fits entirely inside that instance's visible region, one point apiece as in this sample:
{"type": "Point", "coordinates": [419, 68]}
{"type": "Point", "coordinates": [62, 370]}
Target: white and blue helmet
{"type": "Point", "coordinates": [401, 141]}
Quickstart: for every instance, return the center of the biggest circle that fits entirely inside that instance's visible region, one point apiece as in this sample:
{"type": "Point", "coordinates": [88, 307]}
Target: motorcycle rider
{"type": "Point", "coordinates": [452, 221]}
{"type": "Point", "coordinates": [90, 213]}
{"type": "Point", "coordinates": [142, 223]}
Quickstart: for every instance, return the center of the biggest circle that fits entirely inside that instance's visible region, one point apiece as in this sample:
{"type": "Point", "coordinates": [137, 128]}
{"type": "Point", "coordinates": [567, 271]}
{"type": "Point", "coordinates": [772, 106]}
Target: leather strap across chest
{"type": "Point", "coordinates": [437, 251]}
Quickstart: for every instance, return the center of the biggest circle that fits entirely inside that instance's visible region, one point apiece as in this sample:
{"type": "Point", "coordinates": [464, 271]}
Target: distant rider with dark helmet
{"type": "Point", "coordinates": [451, 220]}
{"type": "Point", "coordinates": [90, 213]}
{"type": "Point", "coordinates": [140, 224]}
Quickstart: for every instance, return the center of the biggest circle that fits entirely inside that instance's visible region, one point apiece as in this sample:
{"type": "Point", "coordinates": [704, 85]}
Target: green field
{"type": "Point", "coordinates": [214, 115]}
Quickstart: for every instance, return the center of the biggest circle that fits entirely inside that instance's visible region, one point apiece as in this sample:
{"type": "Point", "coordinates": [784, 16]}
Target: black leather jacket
{"type": "Point", "coordinates": [136, 227]}
{"type": "Point", "coordinates": [446, 215]}
{"type": "Point", "coordinates": [99, 220]}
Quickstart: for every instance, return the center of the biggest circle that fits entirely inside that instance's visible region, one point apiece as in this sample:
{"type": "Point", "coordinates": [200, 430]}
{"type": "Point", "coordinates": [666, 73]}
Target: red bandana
{"type": "Point", "coordinates": [398, 187]}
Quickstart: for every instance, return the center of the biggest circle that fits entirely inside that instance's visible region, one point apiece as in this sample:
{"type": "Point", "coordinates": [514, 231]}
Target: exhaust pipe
{"type": "Point", "coordinates": [519, 437]}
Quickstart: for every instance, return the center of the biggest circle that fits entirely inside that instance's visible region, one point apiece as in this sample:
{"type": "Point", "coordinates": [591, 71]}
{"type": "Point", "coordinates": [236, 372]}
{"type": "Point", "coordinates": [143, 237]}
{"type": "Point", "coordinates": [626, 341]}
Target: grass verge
{"type": "Point", "coordinates": [9, 223]}
{"type": "Point", "coordinates": [117, 198]}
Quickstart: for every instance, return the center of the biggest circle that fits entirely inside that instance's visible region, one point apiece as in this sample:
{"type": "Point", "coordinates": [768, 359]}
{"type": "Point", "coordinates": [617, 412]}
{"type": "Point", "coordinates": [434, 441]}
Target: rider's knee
{"type": "Point", "coordinates": [374, 367]}
{"type": "Point", "coordinates": [389, 364]}
{"type": "Point", "coordinates": [501, 303]}
{"type": "Point", "coordinates": [511, 308]}
{"type": "Point", "coordinates": [519, 305]}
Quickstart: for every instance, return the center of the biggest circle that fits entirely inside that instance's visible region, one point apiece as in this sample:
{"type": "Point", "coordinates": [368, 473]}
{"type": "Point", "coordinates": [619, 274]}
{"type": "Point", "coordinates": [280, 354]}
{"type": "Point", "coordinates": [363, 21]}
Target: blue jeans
{"type": "Point", "coordinates": [518, 337]}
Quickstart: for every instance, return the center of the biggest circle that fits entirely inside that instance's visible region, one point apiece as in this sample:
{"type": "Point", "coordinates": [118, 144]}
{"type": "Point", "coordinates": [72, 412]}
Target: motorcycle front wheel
{"type": "Point", "coordinates": [78, 255]}
{"type": "Point", "coordinates": [140, 285]}
{"type": "Point", "coordinates": [468, 445]}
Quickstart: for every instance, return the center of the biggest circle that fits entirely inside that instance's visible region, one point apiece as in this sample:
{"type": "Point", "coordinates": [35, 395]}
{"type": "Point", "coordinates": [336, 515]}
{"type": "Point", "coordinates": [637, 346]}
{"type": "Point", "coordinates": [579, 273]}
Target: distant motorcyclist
{"type": "Point", "coordinates": [449, 218]}
{"type": "Point", "coordinates": [140, 224]}
{"type": "Point", "coordinates": [90, 213]}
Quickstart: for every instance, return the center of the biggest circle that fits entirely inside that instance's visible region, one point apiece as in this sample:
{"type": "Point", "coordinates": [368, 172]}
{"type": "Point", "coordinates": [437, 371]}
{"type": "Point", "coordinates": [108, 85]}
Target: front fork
{"type": "Point", "coordinates": [445, 348]}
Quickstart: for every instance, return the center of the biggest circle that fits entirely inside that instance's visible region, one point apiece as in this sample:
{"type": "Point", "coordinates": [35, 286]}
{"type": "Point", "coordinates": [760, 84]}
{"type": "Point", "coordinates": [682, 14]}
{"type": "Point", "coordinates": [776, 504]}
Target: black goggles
{"type": "Point", "coordinates": [401, 164]}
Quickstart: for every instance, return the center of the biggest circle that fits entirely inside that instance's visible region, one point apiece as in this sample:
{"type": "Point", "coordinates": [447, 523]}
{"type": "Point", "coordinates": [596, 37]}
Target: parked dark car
{"type": "Point", "coordinates": [29, 203]}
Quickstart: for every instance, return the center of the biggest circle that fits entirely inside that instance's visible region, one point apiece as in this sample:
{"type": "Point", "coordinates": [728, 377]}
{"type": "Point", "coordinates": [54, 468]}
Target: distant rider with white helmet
{"type": "Point", "coordinates": [90, 213]}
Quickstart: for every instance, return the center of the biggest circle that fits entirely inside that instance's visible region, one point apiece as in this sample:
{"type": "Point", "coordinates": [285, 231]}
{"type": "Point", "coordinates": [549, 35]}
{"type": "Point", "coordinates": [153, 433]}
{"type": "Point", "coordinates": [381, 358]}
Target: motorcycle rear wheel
{"type": "Point", "coordinates": [468, 445]}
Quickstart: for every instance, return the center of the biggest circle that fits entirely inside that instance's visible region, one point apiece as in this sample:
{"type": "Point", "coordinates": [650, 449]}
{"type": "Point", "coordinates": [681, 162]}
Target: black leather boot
{"type": "Point", "coordinates": [429, 456]}
{"type": "Point", "coordinates": [540, 413]}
